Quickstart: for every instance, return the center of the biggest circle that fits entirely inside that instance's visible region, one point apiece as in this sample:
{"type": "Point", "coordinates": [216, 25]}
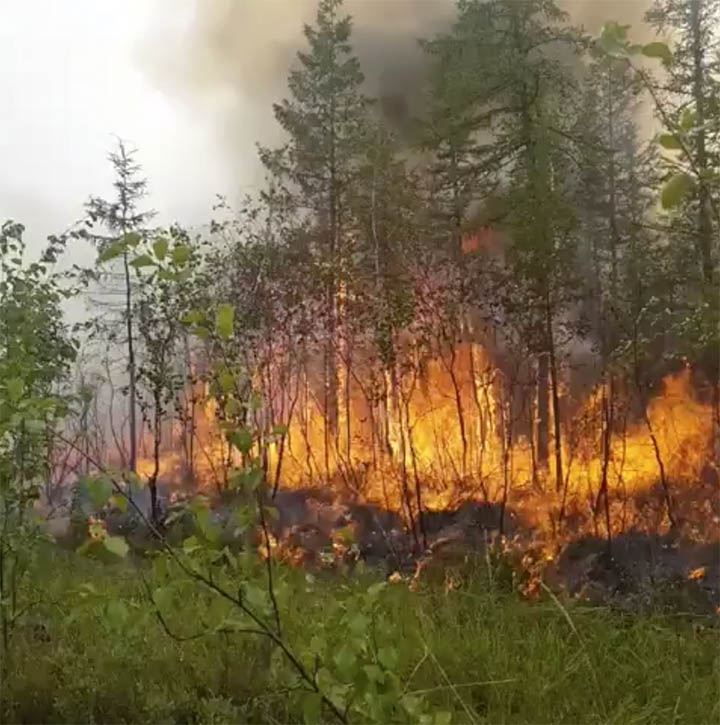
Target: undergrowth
{"type": "Point", "coordinates": [477, 654]}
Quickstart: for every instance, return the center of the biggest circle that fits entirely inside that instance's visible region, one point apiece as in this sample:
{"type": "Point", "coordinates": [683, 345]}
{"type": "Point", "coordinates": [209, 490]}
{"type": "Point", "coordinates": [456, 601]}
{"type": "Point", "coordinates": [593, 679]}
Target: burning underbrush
{"type": "Point", "coordinates": [526, 546]}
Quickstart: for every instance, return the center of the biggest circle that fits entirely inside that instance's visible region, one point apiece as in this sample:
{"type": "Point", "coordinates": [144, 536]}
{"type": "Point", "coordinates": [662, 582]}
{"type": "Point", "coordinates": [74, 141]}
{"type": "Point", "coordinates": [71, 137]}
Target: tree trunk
{"type": "Point", "coordinates": [705, 230]}
{"type": "Point", "coordinates": [132, 463]}
{"type": "Point", "coordinates": [555, 400]}
{"type": "Point", "coordinates": [543, 413]}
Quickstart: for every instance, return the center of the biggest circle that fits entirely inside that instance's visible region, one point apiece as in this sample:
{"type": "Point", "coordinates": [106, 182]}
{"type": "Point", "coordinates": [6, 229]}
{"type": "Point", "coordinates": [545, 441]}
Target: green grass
{"type": "Point", "coordinates": [480, 653]}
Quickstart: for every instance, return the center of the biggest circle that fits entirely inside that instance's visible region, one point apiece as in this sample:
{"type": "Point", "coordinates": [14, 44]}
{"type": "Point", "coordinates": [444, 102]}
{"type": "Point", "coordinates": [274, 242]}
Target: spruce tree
{"type": "Point", "coordinates": [325, 121]}
{"type": "Point", "coordinates": [122, 227]}
{"type": "Point", "coordinates": [511, 62]}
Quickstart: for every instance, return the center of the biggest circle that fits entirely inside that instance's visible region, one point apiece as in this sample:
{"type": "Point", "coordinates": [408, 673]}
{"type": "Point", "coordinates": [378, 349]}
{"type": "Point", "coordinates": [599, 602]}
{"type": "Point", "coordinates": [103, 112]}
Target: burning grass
{"type": "Point", "coordinates": [476, 650]}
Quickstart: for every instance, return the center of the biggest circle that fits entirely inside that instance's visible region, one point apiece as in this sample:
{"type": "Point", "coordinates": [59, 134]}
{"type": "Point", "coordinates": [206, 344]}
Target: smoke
{"type": "Point", "coordinates": [228, 60]}
{"type": "Point", "coordinates": [228, 63]}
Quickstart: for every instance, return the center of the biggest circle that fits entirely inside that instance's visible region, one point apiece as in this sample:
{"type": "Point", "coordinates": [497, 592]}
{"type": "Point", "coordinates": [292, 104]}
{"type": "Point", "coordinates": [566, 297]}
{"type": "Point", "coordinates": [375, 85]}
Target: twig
{"type": "Point", "coordinates": [190, 637]}
{"type": "Point", "coordinates": [268, 562]}
{"type": "Point", "coordinates": [479, 683]}
{"type": "Point", "coordinates": [468, 711]}
{"type": "Point", "coordinates": [415, 669]}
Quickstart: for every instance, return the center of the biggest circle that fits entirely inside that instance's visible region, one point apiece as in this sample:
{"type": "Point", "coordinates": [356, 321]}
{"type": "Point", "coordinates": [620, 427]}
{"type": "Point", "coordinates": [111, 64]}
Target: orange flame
{"type": "Point", "coordinates": [445, 432]}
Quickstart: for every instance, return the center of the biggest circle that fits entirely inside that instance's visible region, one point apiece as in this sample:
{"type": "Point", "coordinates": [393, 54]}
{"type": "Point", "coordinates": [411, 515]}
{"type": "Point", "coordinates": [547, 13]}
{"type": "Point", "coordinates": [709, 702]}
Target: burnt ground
{"type": "Point", "coordinates": [639, 569]}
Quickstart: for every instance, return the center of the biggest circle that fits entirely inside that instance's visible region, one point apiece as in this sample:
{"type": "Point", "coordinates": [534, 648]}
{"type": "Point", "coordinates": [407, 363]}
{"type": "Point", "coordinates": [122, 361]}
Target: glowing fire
{"type": "Point", "coordinates": [445, 431]}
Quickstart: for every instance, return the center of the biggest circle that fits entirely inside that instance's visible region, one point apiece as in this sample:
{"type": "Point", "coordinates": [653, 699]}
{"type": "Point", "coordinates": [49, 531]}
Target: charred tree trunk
{"type": "Point", "coordinates": [157, 440]}
{"type": "Point", "coordinates": [460, 410]}
{"type": "Point", "coordinates": [557, 423]}
{"type": "Point", "coordinates": [543, 413]}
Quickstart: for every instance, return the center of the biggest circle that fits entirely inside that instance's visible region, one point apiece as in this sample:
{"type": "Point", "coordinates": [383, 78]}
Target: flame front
{"type": "Point", "coordinates": [446, 431]}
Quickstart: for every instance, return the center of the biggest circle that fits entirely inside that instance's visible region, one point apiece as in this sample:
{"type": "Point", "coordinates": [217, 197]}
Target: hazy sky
{"type": "Point", "coordinates": [189, 82]}
{"type": "Point", "coordinates": [70, 78]}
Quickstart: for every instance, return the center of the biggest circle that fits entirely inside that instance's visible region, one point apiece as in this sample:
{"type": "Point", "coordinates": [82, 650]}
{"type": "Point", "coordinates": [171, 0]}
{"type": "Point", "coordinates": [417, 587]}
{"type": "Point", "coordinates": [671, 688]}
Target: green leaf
{"type": "Point", "coordinates": [413, 705]}
{"type": "Point", "coordinates": [243, 517]}
{"type": "Point", "coordinates": [116, 545]}
{"type": "Point", "coordinates": [657, 50]}
{"type": "Point", "coordinates": [387, 656]}
{"type": "Point", "coordinates": [118, 502]}
{"type": "Point", "coordinates": [191, 544]}
{"type": "Point", "coordinates": [162, 597]}
{"type": "Point", "coordinates": [15, 388]}
{"type": "Point", "coordinates": [111, 251]}
{"type": "Point", "coordinates": [374, 673]}
{"type": "Point", "coordinates": [358, 624]}
{"type": "Point", "coordinates": [34, 426]}
{"type": "Point", "coordinates": [312, 707]}
{"type": "Point", "coordinates": [227, 381]}
{"type": "Point", "coordinates": [224, 322]}
{"type": "Point", "coordinates": [253, 479]}
{"type": "Point", "coordinates": [160, 247]}
{"type": "Point", "coordinates": [669, 141]}
{"type": "Point", "coordinates": [88, 589]}
{"type": "Point", "coordinates": [613, 39]}
{"type": "Point", "coordinates": [180, 255]}
{"type": "Point", "coordinates": [132, 239]}
{"type": "Point", "coordinates": [374, 590]}
{"type": "Point", "coordinates": [204, 525]}
{"type": "Point", "coordinates": [99, 488]}
{"type": "Point", "coordinates": [193, 317]}
{"type": "Point", "coordinates": [116, 613]}
{"type": "Point", "coordinates": [233, 408]}
{"type": "Point", "coordinates": [247, 479]}
{"type": "Point", "coordinates": [233, 623]}
{"type": "Point", "coordinates": [254, 596]}
{"type": "Point", "coordinates": [144, 260]}
{"type": "Point", "coordinates": [279, 430]}
{"type": "Point", "coordinates": [676, 189]}
{"type": "Point", "coordinates": [198, 503]}
{"type": "Point", "coordinates": [345, 660]}
{"type": "Point", "coordinates": [242, 439]}
{"type": "Point", "coordinates": [688, 119]}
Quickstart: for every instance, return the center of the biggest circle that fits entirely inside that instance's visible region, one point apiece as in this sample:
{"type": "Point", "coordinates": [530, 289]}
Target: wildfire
{"type": "Point", "coordinates": [449, 433]}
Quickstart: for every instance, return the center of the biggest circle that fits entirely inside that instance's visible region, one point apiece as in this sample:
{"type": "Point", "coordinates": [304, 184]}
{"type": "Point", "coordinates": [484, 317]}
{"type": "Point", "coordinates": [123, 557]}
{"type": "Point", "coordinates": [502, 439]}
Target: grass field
{"type": "Point", "coordinates": [477, 654]}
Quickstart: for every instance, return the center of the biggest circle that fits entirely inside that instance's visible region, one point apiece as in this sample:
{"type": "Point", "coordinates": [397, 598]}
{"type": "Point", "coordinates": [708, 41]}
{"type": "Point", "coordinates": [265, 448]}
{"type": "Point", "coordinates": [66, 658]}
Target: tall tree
{"type": "Point", "coordinates": [325, 120]}
{"type": "Point", "coordinates": [513, 58]}
{"type": "Point", "coordinates": [619, 252]}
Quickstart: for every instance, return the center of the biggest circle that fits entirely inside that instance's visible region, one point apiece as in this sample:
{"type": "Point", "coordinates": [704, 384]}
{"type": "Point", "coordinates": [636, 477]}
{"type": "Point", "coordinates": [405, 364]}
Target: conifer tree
{"type": "Point", "coordinates": [122, 227]}
{"type": "Point", "coordinates": [511, 61]}
{"type": "Point", "coordinates": [325, 121]}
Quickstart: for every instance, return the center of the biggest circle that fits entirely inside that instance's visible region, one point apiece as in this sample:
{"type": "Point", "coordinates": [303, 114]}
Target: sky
{"type": "Point", "coordinates": [71, 78]}
{"type": "Point", "coordinates": [188, 82]}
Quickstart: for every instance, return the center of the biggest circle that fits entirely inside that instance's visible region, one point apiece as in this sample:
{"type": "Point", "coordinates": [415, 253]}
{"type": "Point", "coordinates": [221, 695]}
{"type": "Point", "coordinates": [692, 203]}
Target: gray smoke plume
{"type": "Point", "coordinates": [230, 61]}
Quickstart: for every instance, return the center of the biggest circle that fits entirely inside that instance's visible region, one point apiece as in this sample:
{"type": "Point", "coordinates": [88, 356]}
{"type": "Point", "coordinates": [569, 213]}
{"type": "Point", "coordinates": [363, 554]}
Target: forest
{"type": "Point", "coordinates": [425, 430]}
